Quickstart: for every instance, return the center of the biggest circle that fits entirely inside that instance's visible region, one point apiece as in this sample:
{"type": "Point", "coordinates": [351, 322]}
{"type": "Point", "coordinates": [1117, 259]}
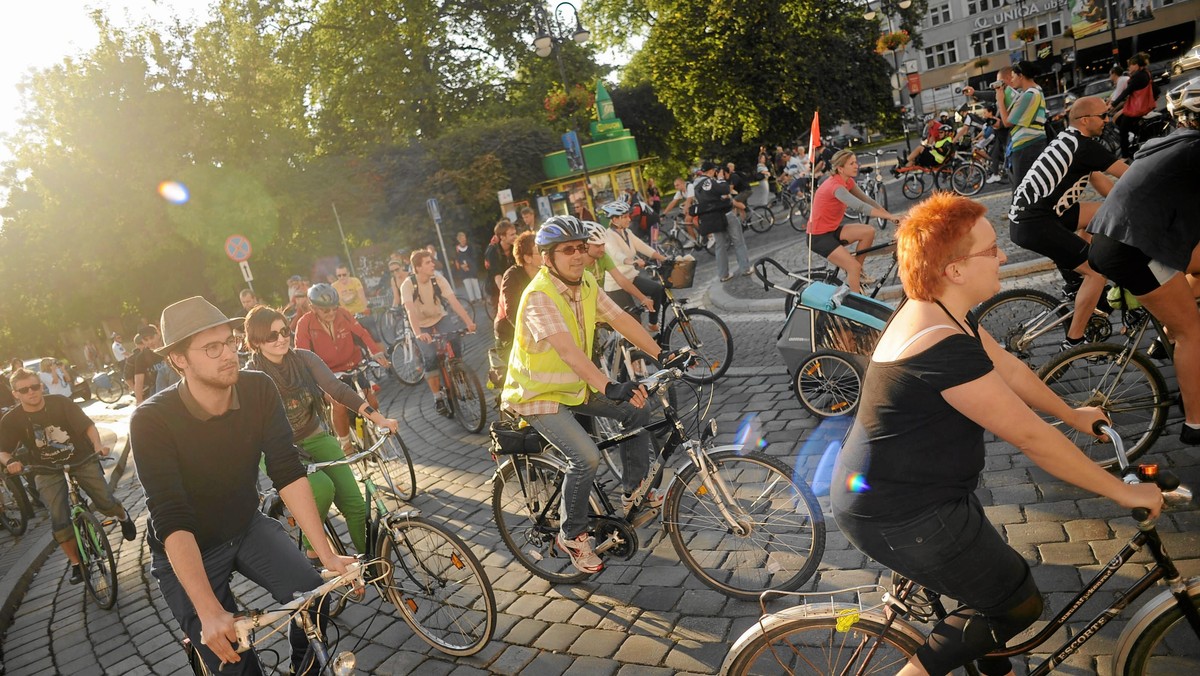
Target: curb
{"type": "Point", "coordinates": [17, 579]}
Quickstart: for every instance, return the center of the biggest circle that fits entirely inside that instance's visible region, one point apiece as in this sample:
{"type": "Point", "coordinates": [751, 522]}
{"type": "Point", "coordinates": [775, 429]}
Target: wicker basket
{"type": "Point", "coordinates": [683, 273]}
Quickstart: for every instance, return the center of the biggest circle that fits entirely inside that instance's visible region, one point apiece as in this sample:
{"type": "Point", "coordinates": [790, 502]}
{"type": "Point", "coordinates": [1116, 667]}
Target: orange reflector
{"type": "Point", "coordinates": [702, 491]}
{"type": "Point", "coordinates": [715, 366]}
{"type": "Point", "coordinates": [840, 405]}
{"type": "Point", "coordinates": [412, 605]}
{"type": "Point", "coordinates": [456, 561]}
{"type": "Point", "coordinates": [1148, 470]}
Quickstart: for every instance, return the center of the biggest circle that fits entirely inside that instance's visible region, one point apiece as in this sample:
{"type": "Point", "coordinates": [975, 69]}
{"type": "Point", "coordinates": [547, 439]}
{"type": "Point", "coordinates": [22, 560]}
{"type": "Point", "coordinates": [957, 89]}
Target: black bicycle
{"type": "Point", "coordinates": [868, 636]}
{"type": "Point", "coordinates": [704, 332]}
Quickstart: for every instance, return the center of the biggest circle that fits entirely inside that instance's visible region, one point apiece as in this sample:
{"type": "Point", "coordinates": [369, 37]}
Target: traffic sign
{"type": "Point", "coordinates": [434, 212]}
{"type": "Point", "coordinates": [245, 267]}
{"type": "Point", "coordinates": [237, 247]}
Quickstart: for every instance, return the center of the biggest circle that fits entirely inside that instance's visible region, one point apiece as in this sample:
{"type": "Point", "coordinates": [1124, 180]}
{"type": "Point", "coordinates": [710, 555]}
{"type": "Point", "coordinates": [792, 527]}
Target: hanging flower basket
{"type": "Point", "coordinates": [891, 41]}
{"type": "Point", "coordinates": [1028, 34]}
{"type": "Point", "coordinates": [981, 63]}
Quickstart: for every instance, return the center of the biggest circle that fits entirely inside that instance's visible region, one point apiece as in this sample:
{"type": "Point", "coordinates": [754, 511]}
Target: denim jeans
{"type": "Point", "coordinates": [53, 488]}
{"type": "Point", "coordinates": [268, 557]}
{"type": "Point", "coordinates": [565, 433]}
{"type": "Point", "coordinates": [731, 235]}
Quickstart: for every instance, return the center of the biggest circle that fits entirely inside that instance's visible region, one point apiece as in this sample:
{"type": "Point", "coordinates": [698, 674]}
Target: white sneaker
{"type": "Point", "coordinates": [993, 178]}
{"type": "Point", "coordinates": [654, 499]}
{"type": "Point", "coordinates": [582, 553]}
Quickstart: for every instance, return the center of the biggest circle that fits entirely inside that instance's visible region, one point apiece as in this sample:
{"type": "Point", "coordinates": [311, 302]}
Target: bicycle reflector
{"type": "Point", "coordinates": [1147, 472]}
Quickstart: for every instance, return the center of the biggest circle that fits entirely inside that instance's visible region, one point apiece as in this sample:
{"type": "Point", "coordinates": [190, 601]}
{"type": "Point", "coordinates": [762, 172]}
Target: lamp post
{"type": "Point", "coordinates": [869, 15]}
{"type": "Point", "coordinates": [552, 32]}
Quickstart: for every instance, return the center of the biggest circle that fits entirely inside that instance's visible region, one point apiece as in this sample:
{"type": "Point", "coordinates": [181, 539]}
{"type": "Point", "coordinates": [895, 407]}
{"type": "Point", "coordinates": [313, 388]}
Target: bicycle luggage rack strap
{"type": "Point", "coordinates": [510, 438]}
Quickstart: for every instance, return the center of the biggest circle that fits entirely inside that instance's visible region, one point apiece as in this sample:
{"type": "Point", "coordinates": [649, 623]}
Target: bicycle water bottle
{"type": "Point", "coordinates": [358, 427]}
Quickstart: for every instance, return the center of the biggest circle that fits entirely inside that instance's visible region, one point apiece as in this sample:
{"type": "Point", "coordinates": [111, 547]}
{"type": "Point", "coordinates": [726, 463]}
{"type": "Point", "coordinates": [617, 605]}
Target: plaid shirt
{"type": "Point", "coordinates": [542, 319]}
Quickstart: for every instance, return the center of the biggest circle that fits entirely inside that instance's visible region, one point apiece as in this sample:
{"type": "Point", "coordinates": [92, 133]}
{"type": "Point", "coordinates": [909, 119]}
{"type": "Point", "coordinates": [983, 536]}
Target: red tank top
{"type": "Point", "coordinates": [827, 210]}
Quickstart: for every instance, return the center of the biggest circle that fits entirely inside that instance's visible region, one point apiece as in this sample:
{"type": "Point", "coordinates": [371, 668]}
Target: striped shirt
{"type": "Point", "coordinates": [1028, 118]}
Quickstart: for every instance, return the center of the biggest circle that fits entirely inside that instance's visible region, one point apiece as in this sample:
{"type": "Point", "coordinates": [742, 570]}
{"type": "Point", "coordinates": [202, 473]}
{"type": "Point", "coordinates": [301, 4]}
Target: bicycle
{"type": "Point", "coordinates": [245, 625]}
{"type": "Point", "coordinates": [832, 637]}
{"type": "Point", "coordinates": [95, 552]}
{"type": "Point", "coordinates": [14, 506]}
{"type": "Point", "coordinates": [465, 399]}
{"type": "Point", "coordinates": [965, 177]}
{"type": "Point", "coordinates": [737, 520]}
{"type": "Point", "coordinates": [759, 219]}
{"type": "Point", "coordinates": [674, 240]}
{"type": "Point", "coordinates": [796, 206]}
{"type": "Point", "coordinates": [436, 582]}
{"type": "Point", "coordinates": [404, 355]}
{"type": "Point", "coordinates": [1032, 324]}
{"type": "Point", "coordinates": [364, 434]}
{"type": "Point", "coordinates": [704, 332]}
{"type": "Point", "coordinates": [109, 386]}
{"type": "Point", "coordinates": [870, 181]}
{"type": "Point", "coordinates": [1120, 379]}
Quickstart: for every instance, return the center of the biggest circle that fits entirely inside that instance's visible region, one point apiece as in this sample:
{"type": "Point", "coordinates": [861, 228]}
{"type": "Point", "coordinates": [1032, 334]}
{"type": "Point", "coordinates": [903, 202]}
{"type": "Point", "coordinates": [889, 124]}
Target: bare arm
{"type": "Point", "coordinates": [139, 388]}
{"type": "Point", "coordinates": [93, 435]}
{"type": "Point", "coordinates": [633, 331]}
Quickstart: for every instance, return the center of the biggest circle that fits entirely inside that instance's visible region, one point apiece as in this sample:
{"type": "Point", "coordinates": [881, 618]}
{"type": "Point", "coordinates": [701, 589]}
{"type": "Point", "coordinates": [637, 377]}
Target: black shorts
{"type": "Point", "coordinates": [1053, 237]}
{"type": "Point", "coordinates": [925, 159]}
{"type": "Point", "coordinates": [1127, 266]}
{"type": "Point", "coordinates": [827, 243]}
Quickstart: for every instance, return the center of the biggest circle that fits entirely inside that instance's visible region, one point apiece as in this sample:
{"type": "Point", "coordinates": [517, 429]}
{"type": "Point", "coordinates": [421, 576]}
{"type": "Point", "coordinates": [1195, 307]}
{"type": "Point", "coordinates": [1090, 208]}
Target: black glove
{"type": "Point", "coordinates": [621, 391]}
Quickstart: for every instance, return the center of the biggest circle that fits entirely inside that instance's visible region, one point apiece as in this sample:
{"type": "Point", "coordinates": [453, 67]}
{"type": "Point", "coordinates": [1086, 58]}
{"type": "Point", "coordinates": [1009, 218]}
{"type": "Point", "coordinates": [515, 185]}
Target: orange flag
{"type": "Point", "coordinates": [813, 137]}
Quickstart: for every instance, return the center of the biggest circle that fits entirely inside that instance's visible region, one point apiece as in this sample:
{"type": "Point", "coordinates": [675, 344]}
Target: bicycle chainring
{"type": "Point", "coordinates": [614, 537]}
{"type": "Point", "coordinates": [1098, 329]}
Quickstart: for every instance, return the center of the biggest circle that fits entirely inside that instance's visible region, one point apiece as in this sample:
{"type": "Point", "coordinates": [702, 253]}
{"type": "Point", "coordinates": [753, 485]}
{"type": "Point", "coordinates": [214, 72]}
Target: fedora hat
{"type": "Point", "coordinates": [186, 318]}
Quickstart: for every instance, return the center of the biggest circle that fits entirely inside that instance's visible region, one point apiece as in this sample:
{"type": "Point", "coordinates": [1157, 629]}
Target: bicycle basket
{"type": "Point", "coordinates": [679, 274]}
{"type": "Point", "coordinates": [509, 439]}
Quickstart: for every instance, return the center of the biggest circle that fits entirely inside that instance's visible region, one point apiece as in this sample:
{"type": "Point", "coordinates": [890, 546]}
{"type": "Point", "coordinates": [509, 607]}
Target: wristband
{"type": "Point", "coordinates": [369, 410]}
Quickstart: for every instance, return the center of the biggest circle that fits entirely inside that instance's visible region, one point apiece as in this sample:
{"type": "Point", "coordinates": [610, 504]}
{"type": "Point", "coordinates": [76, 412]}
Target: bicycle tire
{"type": "Point", "coordinates": [760, 219]}
{"type": "Point", "coordinates": [710, 338]}
{"type": "Point", "coordinates": [96, 556]}
{"type": "Point", "coordinates": [439, 586]}
{"type": "Point", "coordinates": [798, 212]}
{"type": "Point", "coordinates": [395, 450]}
{"type": "Point", "coordinates": [406, 360]}
{"type": "Point", "coordinates": [387, 327]}
{"type": "Point", "coordinates": [796, 642]}
{"type": "Point", "coordinates": [882, 198]}
{"type": "Point", "coordinates": [913, 186]}
{"type": "Point", "coordinates": [670, 247]}
{"type": "Point", "coordinates": [1168, 633]}
{"type": "Point", "coordinates": [530, 538]}
{"type": "Point", "coordinates": [1135, 396]}
{"type": "Point", "coordinates": [1008, 315]}
{"type": "Point", "coordinates": [863, 217]}
{"type": "Point", "coordinates": [943, 176]}
{"type": "Point", "coordinates": [828, 384]}
{"type": "Point", "coordinates": [110, 394]}
{"type": "Point", "coordinates": [967, 179]}
{"type": "Point", "coordinates": [470, 403]}
{"type": "Point", "coordinates": [738, 566]}
{"type": "Point", "coordinates": [14, 506]}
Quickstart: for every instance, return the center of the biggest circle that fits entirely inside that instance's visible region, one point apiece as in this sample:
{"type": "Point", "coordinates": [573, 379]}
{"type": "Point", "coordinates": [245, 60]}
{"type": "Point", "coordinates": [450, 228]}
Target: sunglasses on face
{"type": "Point", "coordinates": [36, 387]}
{"type": "Point", "coordinates": [216, 349]}
{"type": "Point", "coordinates": [343, 274]}
{"type": "Point", "coordinates": [273, 336]}
{"type": "Point", "coordinates": [571, 249]}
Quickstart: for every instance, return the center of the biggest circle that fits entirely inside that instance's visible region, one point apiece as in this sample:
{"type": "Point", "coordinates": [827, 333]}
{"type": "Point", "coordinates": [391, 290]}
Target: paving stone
{"type": "Point", "coordinates": [1067, 553]}
{"type": "Point", "coordinates": [598, 643]}
{"type": "Point", "coordinates": [558, 637]}
{"type": "Point", "coordinates": [592, 666]}
{"type": "Point", "coordinates": [549, 664]}
{"type": "Point", "coordinates": [1086, 529]}
{"type": "Point", "coordinates": [525, 631]}
{"type": "Point", "coordinates": [658, 598]}
{"type": "Point", "coordinates": [700, 657]}
{"type": "Point", "coordinates": [513, 660]}
{"type": "Point", "coordinates": [648, 650]}
{"type": "Point", "coordinates": [1034, 533]}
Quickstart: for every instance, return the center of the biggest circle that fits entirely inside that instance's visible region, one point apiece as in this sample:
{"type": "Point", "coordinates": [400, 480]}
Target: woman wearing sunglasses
{"type": "Point", "coordinates": [304, 381]}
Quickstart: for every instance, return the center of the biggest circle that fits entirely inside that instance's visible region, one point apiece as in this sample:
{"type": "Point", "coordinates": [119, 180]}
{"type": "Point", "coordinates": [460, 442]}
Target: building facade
{"type": "Point", "coordinates": [967, 41]}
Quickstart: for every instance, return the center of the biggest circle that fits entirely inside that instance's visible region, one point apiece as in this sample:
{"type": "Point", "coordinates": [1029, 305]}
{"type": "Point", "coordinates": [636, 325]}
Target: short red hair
{"type": "Point", "coordinates": [933, 234]}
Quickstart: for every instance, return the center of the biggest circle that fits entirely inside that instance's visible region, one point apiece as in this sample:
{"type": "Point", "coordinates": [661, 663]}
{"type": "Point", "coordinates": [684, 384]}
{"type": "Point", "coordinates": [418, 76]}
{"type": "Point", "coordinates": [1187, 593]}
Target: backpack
{"type": "Point", "coordinates": [437, 289]}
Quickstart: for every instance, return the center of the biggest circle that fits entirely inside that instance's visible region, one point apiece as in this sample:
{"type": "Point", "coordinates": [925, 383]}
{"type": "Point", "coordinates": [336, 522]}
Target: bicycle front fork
{"type": "Point", "coordinates": [714, 486]}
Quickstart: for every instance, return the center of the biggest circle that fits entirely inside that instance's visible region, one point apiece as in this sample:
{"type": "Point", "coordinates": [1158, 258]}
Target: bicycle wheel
{"type": "Point", "coordinates": [881, 197]}
{"type": "Point", "coordinates": [406, 360]}
{"type": "Point", "coordinates": [1021, 320]}
{"type": "Point", "coordinates": [525, 504]}
{"type": "Point", "coordinates": [942, 176]}
{"type": "Point", "coordinates": [967, 179]}
{"type": "Point", "coordinates": [403, 478]}
{"type": "Point", "coordinates": [99, 568]}
{"type": "Point", "coordinates": [470, 404]}
{"type": "Point", "coordinates": [798, 641]}
{"type": "Point", "coordinates": [828, 383]}
{"type": "Point", "coordinates": [868, 190]}
{"type": "Point", "coordinates": [798, 213]}
{"type": "Point", "coordinates": [1167, 645]}
{"type": "Point", "coordinates": [785, 535]}
{"type": "Point", "coordinates": [760, 219]}
{"type": "Point", "coordinates": [1131, 391]}
{"type": "Point", "coordinates": [670, 247]}
{"type": "Point", "coordinates": [913, 186]}
{"type": "Point", "coordinates": [708, 336]}
{"type": "Point", "coordinates": [439, 586]}
{"type": "Point", "coordinates": [388, 326]}
{"type": "Point", "coordinates": [13, 506]}
{"type": "Point", "coordinates": [107, 388]}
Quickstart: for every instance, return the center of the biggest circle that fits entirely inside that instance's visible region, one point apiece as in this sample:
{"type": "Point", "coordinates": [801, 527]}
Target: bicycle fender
{"type": "Point", "coordinates": [689, 463]}
{"type": "Point", "coordinates": [1147, 614]}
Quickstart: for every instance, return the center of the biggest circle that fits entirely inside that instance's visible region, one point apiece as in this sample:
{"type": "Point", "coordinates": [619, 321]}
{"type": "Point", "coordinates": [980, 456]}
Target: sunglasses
{"type": "Point", "coordinates": [571, 249]}
{"type": "Point", "coordinates": [1103, 116]}
{"type": "Point", "coordinates": [215, 349]}
{"type": "Point", "coordinates": [342, 274]}
{"type": "Point", "coordinates": [36, 387]}
{"type": "Point", "coordinates": [273, 336]}
{"type": "Point", "coordinates": [991, 252]}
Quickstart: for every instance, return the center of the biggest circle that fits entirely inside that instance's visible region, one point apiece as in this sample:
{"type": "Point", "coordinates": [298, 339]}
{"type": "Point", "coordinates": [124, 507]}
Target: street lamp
{"type": "Point", "coordinates": [552, 31]}
{"type": "Point", "coordinates": [869, 15]}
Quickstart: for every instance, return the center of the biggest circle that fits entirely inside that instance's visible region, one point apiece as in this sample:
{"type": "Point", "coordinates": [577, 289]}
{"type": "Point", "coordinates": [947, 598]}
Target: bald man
{"type": "Point", "coordinates": [1047, 215]}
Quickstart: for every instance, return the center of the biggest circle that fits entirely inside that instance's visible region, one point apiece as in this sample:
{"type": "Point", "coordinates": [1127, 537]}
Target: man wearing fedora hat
{"type": "Point", "coordinates": [197, 446]}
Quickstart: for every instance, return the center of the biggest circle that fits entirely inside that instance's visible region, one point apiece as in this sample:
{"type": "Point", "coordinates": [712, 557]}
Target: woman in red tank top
{"type": "Point", "coordinates": [826, 234]}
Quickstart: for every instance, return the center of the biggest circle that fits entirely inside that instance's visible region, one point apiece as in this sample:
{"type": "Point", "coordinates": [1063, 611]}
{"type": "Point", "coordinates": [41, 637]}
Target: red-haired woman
{"type": "Point", "coordinates": [903, 488]}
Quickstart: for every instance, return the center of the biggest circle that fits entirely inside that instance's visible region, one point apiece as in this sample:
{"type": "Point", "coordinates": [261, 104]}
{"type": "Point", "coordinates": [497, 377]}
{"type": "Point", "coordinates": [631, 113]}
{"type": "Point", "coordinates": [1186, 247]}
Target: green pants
{"type": "Point", "coordinates": [336, 485]}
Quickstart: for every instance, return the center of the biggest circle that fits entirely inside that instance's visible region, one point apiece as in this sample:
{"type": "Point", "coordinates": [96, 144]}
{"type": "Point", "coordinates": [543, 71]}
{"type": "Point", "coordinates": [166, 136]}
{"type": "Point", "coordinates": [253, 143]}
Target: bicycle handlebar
{"type": "Point", "coordinates": [31, 468]}
{"type": "Point", "coordinates": [245, 623]}
{"type": "Point", "coordinates": [1166, 480]}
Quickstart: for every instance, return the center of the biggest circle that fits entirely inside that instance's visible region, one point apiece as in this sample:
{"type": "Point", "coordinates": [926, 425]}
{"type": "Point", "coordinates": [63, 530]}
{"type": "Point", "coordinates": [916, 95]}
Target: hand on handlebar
{"type": "Point", "coordinates": [632, 392]}
{"type": "Point", "coordinates": [647, 303]}
{"type": "Point", "coordinates": [470, 326]}
{"type": "Point", "coordinates": [424, 337]}
{"type": "Point", "coordinates": [14, 467]}
{"type": "Point", "coordinates": [1085, 419]}
{"type": "Point", "coordinates": [218, 633]}
{"type": "Point", "coordinates": [1146, 495]}
{"type": "Point", "coordinates": [391, 424]}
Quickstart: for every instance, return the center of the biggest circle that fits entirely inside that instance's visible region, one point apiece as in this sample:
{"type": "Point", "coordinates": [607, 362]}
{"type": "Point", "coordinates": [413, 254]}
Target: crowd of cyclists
{"type": "Point", "coordinates": [222, 399]}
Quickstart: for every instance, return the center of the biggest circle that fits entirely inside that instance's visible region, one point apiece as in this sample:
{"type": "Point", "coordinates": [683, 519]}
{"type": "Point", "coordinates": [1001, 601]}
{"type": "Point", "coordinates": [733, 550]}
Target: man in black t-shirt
{"type": "Point", "coordinates": [49, 430]}
{"type": "Point", "coordinates": [1047, 214]}
{"type": "Point", "coordinates": [197, 447]}
{"type": "Point", "coordinates": [151, 373]}
{"type": "Point", "coordinates": [498, 257]}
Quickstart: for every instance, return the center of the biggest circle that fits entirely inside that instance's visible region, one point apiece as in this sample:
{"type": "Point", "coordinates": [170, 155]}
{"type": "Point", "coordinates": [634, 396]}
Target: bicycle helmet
{"type": "Point", "coordinates": [945, 129]}
{"type": "Point", "coordinates": [323, 296]}
{"type": "Point", "coordinates": [615, 208]}
{"type": "Point", "coordinates": [557, 230]}
{"type": "Point", "coordinates": [595, 232]}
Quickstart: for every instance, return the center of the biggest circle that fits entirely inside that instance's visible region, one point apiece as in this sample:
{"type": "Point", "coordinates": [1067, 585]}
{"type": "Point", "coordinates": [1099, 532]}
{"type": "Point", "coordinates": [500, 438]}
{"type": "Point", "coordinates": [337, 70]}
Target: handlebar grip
{"type": "Point", "coordinates": [1098, 427]}
{"type": "Point", "coordinates": [1140, 514]}
{"type": "Point", "coordinates": [1166, 480]}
